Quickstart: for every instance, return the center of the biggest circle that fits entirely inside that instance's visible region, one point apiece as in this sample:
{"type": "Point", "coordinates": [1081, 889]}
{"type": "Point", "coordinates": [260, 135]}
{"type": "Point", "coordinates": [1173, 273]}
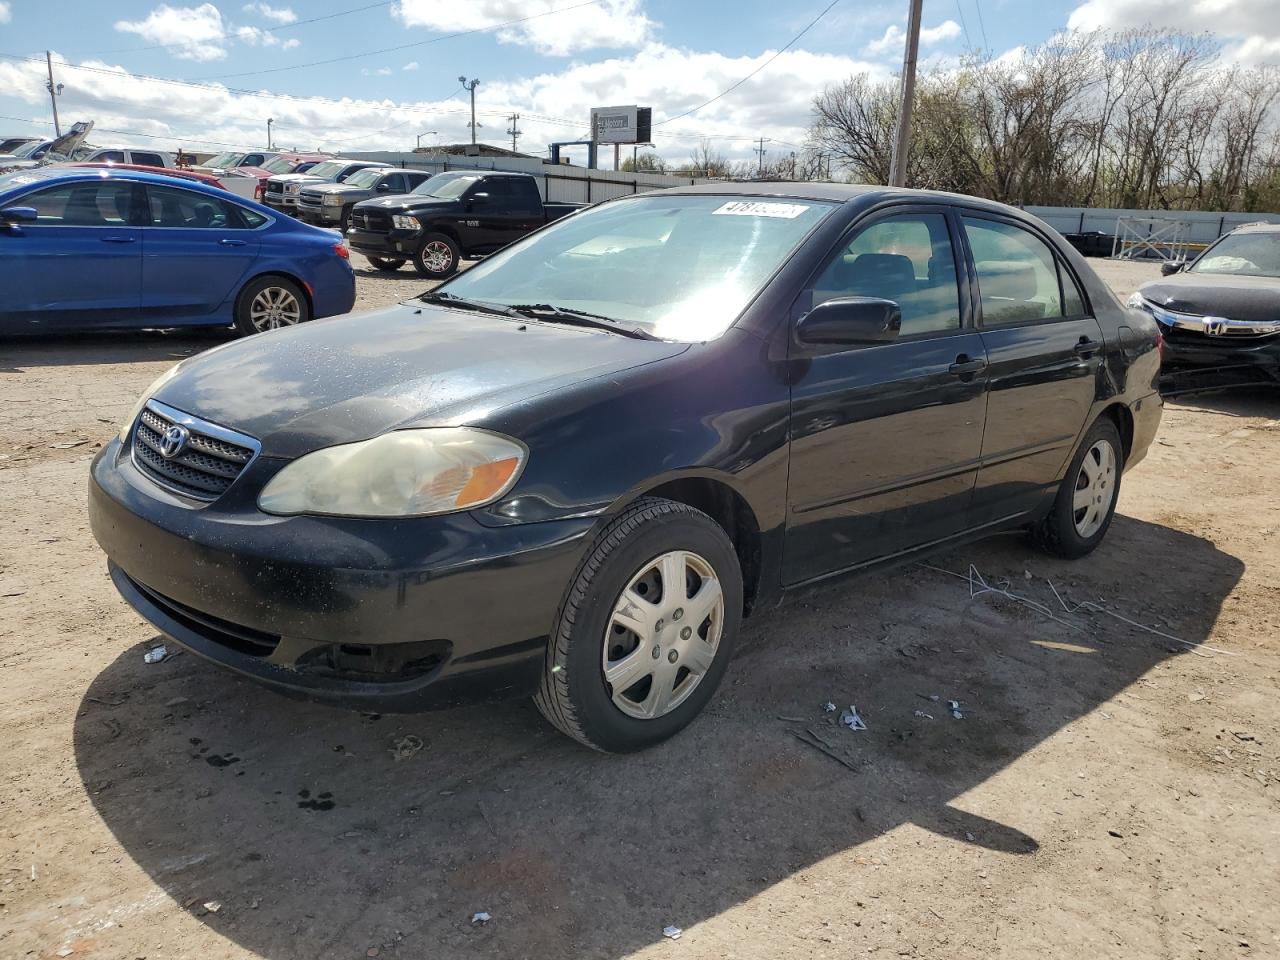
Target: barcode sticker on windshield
{"type": "Point", "coordinates": [760, 208]}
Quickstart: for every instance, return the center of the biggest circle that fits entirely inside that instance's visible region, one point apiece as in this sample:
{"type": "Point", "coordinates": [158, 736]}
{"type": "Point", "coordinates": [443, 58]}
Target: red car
{"type": "Point", "coordinates": [284, 163]}
{"type": "Point", "coordinates": [167, 171]}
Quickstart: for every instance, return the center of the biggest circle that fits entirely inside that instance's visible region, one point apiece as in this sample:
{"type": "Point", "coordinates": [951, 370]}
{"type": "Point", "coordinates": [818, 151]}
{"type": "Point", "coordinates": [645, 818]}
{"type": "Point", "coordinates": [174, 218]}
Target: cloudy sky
{"type": "Point", "coordinates": [353, 74]}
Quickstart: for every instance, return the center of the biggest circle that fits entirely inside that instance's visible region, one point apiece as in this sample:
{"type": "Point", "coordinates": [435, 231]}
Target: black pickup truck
{"type": "Point", "coordinates": [452, 216]}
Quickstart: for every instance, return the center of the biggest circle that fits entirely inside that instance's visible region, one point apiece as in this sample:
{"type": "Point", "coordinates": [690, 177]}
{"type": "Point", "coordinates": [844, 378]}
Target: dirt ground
{"type": "Point", "coordinates": [1109, 792]}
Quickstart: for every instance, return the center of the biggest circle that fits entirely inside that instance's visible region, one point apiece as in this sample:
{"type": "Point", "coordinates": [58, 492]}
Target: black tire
{"type": "Point", "coordinates": [574, 695]}
{"type": "Point", "coordinates": [244, 302]}
{"type": "Point", "coordinates": [385, 264]}
{"type": "Point", "coordinates": [1058, 533]}
{"type": "Point", "coordinates": [344, 221]}
{"type": "Point", "coordinates": [433, 245]}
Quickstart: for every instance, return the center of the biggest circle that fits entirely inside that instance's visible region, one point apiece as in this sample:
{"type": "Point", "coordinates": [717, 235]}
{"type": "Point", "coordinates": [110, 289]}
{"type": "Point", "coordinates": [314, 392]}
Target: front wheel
{"type": "Point", "coordinates": [1086, 501]}
{"type": "Point", "coordinates": [268, 303]}
{"type": "Point", "coordinates": [437, 257]}
{"type": "Point", "coordinates": [646, 630]}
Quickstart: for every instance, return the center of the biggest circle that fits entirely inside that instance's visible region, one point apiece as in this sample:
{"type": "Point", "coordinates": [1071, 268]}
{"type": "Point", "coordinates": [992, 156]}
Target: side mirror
{"type": "Point", "coordinates": [851, 320]}
{"type": "Point", "coordinates": [383, 187]}
{"type": "Point", "coordinates": [19, 215]}
{"type": "Point", "coordinates": [1171, 267]}
{"type": "Point", "coordinates": [479, 199]}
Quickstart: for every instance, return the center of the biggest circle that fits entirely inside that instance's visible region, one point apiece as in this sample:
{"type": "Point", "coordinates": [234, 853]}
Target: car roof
{"type": "Point", "coordinates": [54, 174]}
{"type": "Point", "coordinates": [839, 193]}
{"type": "Point", "coordinates": [1260, 227]}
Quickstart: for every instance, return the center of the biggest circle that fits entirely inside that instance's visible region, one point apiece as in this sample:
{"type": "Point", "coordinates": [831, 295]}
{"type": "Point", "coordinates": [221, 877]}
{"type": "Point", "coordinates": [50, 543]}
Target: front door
{"type": "Point", "coordinates": [196, 251]}
{"type": "Point", "coordinates": [79, 264]}
{"type": "Point", "coordinates": [1045, 351]}
{"type": "Point", "coordinates": [885, 439]}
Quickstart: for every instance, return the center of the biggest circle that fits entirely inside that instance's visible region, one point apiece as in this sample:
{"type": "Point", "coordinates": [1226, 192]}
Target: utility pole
{"type": "Point", "coordinates": [902, 136]}
{"type": "Point", "coordinates": [55, 91]}
{"type": "Point", "coordinates": [270, 121]}
{"type": "Point", "coordinates": [423, 134]}
{"type": "Point", "coordinates": [760, 151]}
{"type": "Point", "coordinates": [471, 86]}
{"type": "Point", "coordinates": [514, 130]}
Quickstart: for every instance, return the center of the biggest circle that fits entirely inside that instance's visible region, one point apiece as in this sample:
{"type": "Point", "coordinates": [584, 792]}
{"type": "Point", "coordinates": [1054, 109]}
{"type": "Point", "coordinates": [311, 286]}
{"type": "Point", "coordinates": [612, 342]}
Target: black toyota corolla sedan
{"type": "Point", "coordinates": [571, 471]}
{"type": "Point", "coordinates": [1220, 313]}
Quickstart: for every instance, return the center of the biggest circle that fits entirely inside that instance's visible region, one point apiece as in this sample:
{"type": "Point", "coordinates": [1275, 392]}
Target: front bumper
{"type": "Point", "coordinates": [318, 213]}
{"type": "Point", "coordinates": [396, 244]}
{"type": "Point", "coordinates": [1196, 361]}
{"type": "Point", "coordinates": [381, 615]}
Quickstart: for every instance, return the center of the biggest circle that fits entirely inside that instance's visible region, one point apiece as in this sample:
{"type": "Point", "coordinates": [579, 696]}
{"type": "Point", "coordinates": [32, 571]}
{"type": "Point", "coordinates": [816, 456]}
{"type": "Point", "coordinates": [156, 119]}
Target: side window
{"type": "Point", "coordinates": [498, 189]}
{"type": "Point", "coordinates": [95, 203]}
{"type": "Point", "coordinates": [395, 183]}
{"type": "Point", "coordinates": [148, 159]}
{"type": "Point", "coordinates": [252, 160]}
{"type": "Point", "coordinates": [524, 194]}
{"type": "Point", "coordinates": [342, 177]}
{"type": "Point", "coordinates": [1017, 273]}
{"type": "Point", "coordinates": [907, 259]}
{"type": "Point", "coordinates": [174, 207]}
{"type": "Point", "coordinates": [110, 156]}
{"type": "Point", "coordinates": [1073, 303]}
{"type": "Point", "coordinates": [417, 178]}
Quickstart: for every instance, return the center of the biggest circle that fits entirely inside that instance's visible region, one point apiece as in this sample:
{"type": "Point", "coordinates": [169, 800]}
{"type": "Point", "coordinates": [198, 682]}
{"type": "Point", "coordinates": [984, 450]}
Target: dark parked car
{"type": "Point", "coordinates": [450, 217]}
{"type": "Point", "coordinates": [330, 204]}
{"type": "Point", "coordinates": [572, 470]}
{"type": "Point", "coordinates": [87, 248]}
{"type": "Point", "coordinates": [1220, 314]}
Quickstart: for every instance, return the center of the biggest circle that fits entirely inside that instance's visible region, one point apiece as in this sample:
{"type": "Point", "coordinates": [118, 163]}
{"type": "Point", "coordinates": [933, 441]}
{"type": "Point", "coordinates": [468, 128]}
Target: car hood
{"type": "Point", "coordinates": [290, 177]}
{"type": "Point", "coordinates": [354, 377]}
{"type": "Point", "coordinates": [339, 188]}
{"type": "Point", "coordinates": [406, 201]}
{"type": "Point", "coordinates": [1217, 295]}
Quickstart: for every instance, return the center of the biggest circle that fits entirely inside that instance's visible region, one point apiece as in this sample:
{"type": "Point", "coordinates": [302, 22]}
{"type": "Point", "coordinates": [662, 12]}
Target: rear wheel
{"type": "Point", "coordinates": [1086, 501]}
{"type": "Point", "coordinates": [437, 257]}
{"type": "Point", "coordinates": [386, 264]}
{"type": "Point", "coordinates": [646, 630]}
{"type": "Point", "coordinates": [268, 303]}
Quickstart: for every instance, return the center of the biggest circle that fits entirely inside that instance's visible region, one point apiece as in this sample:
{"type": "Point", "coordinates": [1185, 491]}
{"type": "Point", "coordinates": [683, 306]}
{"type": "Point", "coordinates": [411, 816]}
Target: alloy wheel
{"type": "Point", "coordinates": [1095, 489]}
{"type": "Point", "coordinates": [663, 633]}
{"type": "Point", "coordinates": [437, 257]}
{"type": "Point", "coordinates": [274, 307]}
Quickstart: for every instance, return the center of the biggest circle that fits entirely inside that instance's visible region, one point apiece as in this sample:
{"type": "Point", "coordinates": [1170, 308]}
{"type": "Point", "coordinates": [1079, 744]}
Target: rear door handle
{"type": "Point", "coordinates": [117, 239]}
{"type": "Point", "coordinates": [965, 366]}
{"type": "Point", "coordinates": [1087, 346]}
{"type": "Point", "coordinates": [231, 243]}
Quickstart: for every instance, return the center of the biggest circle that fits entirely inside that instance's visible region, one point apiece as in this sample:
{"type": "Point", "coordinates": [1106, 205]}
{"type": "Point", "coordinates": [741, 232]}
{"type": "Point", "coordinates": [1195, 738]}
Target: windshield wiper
{"type": "Point", "coordinates": [462, 303]}
{"type": "Point", "coordinates": [548, 311]}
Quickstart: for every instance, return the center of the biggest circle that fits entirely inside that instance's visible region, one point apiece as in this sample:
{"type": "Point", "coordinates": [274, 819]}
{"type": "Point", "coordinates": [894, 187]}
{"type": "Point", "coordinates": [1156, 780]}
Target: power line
{"type": "Point", "coordinates": [982, 25]}
{"type": "Point", "coordinates": [735, 86]}
{"type": "Point", "coordinates": [231, 36]}
{"type": "Point", "coordinates": [403, 46]}
{"type": "Point", "coordinates": [964, 26]}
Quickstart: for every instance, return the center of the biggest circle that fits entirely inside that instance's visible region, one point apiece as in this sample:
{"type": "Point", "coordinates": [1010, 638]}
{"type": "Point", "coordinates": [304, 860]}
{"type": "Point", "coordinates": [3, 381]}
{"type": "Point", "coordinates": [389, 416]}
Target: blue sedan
{"type": "Point", "coordinates": [94, 249]}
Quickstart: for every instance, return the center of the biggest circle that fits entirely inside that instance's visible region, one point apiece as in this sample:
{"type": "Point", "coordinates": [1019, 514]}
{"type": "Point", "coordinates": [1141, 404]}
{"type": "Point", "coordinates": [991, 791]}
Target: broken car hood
{"type": "Point", "coordinates": [1217, 295]}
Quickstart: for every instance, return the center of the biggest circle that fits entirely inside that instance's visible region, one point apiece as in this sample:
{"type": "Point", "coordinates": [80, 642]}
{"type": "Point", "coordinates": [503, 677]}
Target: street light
{"type": "Point", "coordinates": [270, 121]}
{"type": "Point", "coordinates": [471, 86]}
{"type": "Point", "coordinates": [425, 133]}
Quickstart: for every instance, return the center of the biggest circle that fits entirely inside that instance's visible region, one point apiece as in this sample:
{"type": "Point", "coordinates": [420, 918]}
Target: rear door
{"type": "Point", "coordinates": [196, 251]}
{"type": "Point", "coordinates": [80, 262]}
{"type": "Point", "coordinates": [885, 439]}
{"type": "Point", "coordinates": [1045, 351]}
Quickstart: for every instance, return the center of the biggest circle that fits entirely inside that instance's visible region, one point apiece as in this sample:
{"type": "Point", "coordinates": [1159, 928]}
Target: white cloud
{"type": "Point", "coordinates": [256, 37]}
{"type": "Point", "coordinates": [199, 30]}
{"type": "Point", "coordinates": [614, 24]}
{"type": "Point", "coordinates": [291, 43]}
{"type": "Point", "coordinates": [5, 14]}
{"type": "Point", "coordinates": [1250, 28]}
{"type": "Point", "coordinates": [380, 72]}
{"type": "Point", "coordinates": [268, 12]}
{"type": "Point", "coordinates": [411, 65]}
{"type": "Point", "coordinates": [553, 105]}
{"type": "Point", "coordinates": [895, 37]}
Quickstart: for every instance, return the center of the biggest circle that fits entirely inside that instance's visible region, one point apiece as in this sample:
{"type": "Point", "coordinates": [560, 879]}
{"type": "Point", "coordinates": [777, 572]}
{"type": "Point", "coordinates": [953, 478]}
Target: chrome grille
{"type": "Point", "coordinates": [209, 461]}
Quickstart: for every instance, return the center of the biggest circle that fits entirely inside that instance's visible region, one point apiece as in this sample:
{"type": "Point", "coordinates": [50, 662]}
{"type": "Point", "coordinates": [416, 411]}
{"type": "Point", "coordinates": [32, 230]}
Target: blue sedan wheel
{"type": "Point", "coordinates": [269, 303]}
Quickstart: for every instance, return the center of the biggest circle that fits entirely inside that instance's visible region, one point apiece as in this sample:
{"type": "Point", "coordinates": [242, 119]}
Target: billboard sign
{"type": "Point", "coordinates": [621, 124]}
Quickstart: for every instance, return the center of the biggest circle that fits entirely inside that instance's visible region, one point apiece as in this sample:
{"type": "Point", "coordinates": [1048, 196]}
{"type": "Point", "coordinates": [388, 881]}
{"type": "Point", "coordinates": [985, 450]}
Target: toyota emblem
{"type": "Point", "coordinates": [173, 441]}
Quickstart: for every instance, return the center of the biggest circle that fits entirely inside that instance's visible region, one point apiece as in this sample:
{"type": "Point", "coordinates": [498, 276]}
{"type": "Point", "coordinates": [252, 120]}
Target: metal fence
{"type": "Point", "coordinates": [1202, 226]}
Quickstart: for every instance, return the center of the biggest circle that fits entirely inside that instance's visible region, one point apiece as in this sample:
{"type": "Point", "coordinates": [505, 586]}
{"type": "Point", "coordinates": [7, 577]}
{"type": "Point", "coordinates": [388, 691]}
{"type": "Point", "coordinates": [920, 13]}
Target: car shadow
{"type": "Point", "coordinates": [324, 832]}
{"type": "Point", "coordinates": [1251, 401]}
{"type": "Point", "coordinates": [124, 346]}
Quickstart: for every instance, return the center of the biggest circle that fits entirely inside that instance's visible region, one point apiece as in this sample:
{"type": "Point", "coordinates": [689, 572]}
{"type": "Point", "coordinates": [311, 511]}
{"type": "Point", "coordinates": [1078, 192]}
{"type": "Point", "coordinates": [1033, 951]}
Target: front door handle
{"type": "Point", "coordinates": [1086, 347]}
{"type": "Point", "coordinates": [117, 239]}
{"type": "Point", "coordinates": [226, 242]}
{"type": "Point", "coordinates": [966, 366]}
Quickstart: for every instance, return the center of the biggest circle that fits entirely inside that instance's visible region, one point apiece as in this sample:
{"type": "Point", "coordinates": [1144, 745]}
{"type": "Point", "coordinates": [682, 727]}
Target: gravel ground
{"type": "Point", "coordinates": [1110, 791]}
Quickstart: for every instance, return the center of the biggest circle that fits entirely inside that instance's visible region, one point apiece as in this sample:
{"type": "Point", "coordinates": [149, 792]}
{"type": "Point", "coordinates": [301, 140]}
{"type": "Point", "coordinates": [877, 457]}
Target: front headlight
{"type": "Point", "coordinates": [147, 394]}
{"type": "Point", "coordinates": [292, 188]}
{"type": "Point", "coordinates": [406, 223]}
{"type": "Point", "coordinates": [332, 200]}
{"type": "Point", "coordinates": [1138, 300]}
{"type": "Point", "coordinates": [405, 473]}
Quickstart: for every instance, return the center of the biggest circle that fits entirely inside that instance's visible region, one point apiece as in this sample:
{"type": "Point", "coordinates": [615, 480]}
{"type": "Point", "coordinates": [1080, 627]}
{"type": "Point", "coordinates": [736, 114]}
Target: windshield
{"type": "Point", "coordinates": [1242, 254]}
{"type": "Point", "coordinates": [329, 168]}
{"type": "Point", "coordinates": [225, 160]}
{"type": "Point", "coordinates": [279, 165]}
{"type": "Point", "coordinates": [27, 149]}
{"type": "Point", "coordinates": [446, 186]}
{"type": "Point", "coordinates": [364, 178]}
{"type": "Point", "coordinates": [676, 267]}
